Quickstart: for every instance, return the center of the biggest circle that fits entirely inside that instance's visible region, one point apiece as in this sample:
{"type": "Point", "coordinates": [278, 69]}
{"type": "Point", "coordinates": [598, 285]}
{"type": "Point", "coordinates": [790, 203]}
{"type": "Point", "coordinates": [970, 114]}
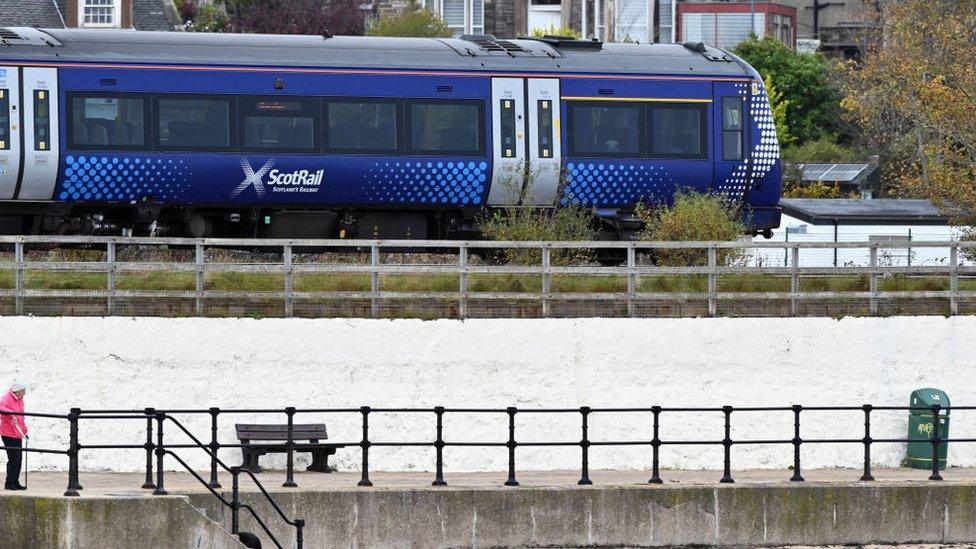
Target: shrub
{"type": "Point", "coordinates": [520, 222]}
{"type": "Point", "coordinates": [552, 30]}
{"type": "Point", "coordinates": [692, 217]}
{"type": "Point", "coordinates": [412, 21]}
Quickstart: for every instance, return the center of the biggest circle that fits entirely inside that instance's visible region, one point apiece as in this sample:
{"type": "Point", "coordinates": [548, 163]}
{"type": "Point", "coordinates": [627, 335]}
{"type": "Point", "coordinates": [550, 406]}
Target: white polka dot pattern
{"type": "Point", "coordinates": [763, 155]}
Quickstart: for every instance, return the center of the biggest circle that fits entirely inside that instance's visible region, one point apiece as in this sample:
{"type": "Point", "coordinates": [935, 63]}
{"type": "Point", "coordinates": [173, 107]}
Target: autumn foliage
{"type": "Point", "coordinates": [914, 97]}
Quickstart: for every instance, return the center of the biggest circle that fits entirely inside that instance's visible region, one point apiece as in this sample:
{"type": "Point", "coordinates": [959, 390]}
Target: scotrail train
{"type": "Point", "coordinates": [125, 132]}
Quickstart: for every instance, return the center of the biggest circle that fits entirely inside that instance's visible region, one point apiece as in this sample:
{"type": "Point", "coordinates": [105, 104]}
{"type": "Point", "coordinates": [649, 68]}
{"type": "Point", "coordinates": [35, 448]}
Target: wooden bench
{"type": "Point", "coordinates": [277, 438]}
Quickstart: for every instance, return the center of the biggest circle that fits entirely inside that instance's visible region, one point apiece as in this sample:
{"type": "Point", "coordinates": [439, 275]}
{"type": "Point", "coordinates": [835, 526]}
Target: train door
{"type": "Point", "coordinates": [525, 141]}
{"type": "Point", "coordinates": [508, 140]}
{"type": "Point", "coordinates": [40, 134]}
{"type": "Point", "coordinates": [9, 131]}
{"type": "Point", "coordinates": [545, 145]}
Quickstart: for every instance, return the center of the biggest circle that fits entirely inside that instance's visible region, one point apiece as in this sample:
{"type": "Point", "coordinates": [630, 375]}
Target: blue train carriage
{"type": "Point", "coordinates": [125, 132]}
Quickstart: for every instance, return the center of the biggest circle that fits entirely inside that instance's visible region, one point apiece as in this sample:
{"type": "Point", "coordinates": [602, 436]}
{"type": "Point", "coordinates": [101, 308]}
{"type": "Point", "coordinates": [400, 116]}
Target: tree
{"type": "Point", "coordinates": [913, 97]}
{"type": "Point", "coordinates": [412, 21]}
{"type": "Point", "coordinates": [779, 105]}
{"type": "Point", "coordinates": [274, 16]}
{"type": "Point", "coordinates": [814, 102]}
{"type": "Point", "coordinates": [304, 17]}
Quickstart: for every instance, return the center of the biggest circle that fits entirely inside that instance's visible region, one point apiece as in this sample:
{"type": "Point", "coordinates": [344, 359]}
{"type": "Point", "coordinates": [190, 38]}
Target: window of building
{"type": "Point", "coordinates": [279, 123]}
{"type": "Point", "coordinates": [732, 128]}
{"type": "Point", "coordinates": [197, 123]}
{"type": "Point", "coordinates": [99, 13]}
{"type": "Point", "coordinates": [107, 121]}
{"type": "Point", "coordinates": [630, 21]}
{"type": "Point", "coordinates": [678, 131]}
{"type": "Point", "coordinates": [361, 126]}
{"type": "Point", "coordinates": [602, 129]}
{"type": "Point", "coordinates": [446, 127]}
{"type": "Point", "coordinates": [464, 16]}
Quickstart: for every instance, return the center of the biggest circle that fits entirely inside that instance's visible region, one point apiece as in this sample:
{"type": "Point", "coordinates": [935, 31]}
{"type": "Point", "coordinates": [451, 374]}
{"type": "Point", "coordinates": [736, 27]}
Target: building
{"type": "Point", "coordinates": [726, 24]}
{"type": "Point", "coordinates": [835, 26]}
{"type": "Point", "coordinates": [94, 14]}
{"type": "Point", "coordinates": [859, 220]}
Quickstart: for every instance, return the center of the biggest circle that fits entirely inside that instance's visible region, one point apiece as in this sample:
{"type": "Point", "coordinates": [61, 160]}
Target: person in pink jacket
{"type": "Point", "coordinates": [13, 431]}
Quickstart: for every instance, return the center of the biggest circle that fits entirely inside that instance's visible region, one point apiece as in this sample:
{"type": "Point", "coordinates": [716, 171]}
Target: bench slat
{"type": "Point", "coordinates": [300, 431]}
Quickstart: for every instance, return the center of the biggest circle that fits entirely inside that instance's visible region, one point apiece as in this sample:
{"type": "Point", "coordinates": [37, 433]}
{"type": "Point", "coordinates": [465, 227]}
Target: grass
{"type": "Point", "coordinates": [477, 283]}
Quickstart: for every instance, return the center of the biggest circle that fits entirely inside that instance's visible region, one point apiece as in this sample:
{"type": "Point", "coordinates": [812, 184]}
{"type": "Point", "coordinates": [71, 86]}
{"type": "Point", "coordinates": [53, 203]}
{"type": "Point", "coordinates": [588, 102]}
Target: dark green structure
{"type": "Point", "coordinates": [920, 428]}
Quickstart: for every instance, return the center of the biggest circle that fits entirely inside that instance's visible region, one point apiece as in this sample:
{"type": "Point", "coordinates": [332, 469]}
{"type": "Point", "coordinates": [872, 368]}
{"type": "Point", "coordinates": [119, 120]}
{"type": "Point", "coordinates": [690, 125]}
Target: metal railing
{"type": "Point", "coordinates": [157, 447]}
{"type": "Point", "coordinates": [373, 278]}
{"type": "Point", "coordinates": [160, 449]}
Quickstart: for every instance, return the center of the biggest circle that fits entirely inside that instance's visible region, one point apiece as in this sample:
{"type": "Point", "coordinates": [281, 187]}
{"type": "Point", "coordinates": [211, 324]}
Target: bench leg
{"type": "Point", "coordinates": [320, 462]}
{"type": "Point", "coordinates": [251, 462]}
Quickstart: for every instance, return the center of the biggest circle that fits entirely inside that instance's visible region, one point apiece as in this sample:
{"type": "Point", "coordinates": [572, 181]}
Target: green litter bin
{"type": "Point", "coordinates": [920, 426]}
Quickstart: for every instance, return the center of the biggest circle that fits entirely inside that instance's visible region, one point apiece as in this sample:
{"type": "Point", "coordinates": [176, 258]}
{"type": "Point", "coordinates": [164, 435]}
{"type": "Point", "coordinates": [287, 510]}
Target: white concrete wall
{"type": "Point", "coordinates": [237, 363]}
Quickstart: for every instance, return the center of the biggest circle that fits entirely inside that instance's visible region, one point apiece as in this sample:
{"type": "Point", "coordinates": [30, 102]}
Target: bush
{"type": "Point", "coordinates": [692, 217]}
{"type": "Point", "coordinates": [819, 150]}
{"type": "Point", "coordinates": [552, 30]}
{"type": "Point", "coordinates": [412, 21]}
{"type": "Point", "coordinates": [519, 222]}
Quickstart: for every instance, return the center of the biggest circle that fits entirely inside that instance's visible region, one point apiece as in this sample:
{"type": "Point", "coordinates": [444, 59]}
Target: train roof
{"type": "Point", "coordinates": [474, 53]}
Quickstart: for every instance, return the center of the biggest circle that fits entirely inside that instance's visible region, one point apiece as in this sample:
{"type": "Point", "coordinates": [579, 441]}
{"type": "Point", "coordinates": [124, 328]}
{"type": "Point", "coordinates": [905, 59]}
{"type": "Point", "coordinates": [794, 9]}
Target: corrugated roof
{"type": "Point", "coordinates": [880, 211]}
{"type": "Point", "coordinates": [846, 173]}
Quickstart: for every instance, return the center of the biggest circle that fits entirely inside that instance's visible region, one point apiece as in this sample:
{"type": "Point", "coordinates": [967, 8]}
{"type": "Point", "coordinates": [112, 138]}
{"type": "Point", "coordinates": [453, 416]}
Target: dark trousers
{"type": "Point", "coordinates": [14, 460]}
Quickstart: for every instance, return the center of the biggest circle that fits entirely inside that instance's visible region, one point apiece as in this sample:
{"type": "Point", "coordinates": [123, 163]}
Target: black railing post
{"type": "Point", "coordinates": [150, 414]}
{"type": "Point", "coordinates": [511, 411]}
{"type": "Point", "coordinates": [160, 452]}
{"type": "Point", "coordinates": [235, 500]}
{"type": "Point", "coordinates": [439, 448]}
{"type": "Point", "coordinates": [935, 443]}
{"type": "Point", "coordinates": [214, 447]}
{"type": "Point", "coordinates": [727, 446]}
{"type": "Point", "coordinates": [299, 533]}
{"type": "Point", "coordinates": [73, 486]}
{"type": "Point", "coordinates": [585, 447]}
{"type": "Point", "coordinates": [867, 476]}
{"type": "Point", "coordinates": [365, 447]}
{"type": "Point", "coordinates": [797, 441]}
{"type": "Point", "coordinates": [290, 449]}
{"type": "Point", "coordinates": [656, 447]}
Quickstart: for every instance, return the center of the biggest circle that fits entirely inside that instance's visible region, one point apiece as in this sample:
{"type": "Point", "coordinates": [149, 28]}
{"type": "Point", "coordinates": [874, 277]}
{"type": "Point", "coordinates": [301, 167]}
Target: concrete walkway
{"type": "Point", "coordinates": [52, 484]}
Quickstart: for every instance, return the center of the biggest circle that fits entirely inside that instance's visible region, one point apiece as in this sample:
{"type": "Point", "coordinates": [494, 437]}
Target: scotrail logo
{"type": "Point", "coordinates": [298, 181]}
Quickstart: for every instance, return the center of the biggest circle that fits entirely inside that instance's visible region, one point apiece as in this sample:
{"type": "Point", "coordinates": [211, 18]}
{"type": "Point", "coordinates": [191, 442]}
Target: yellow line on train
{"type": "Point", "coordinates": [636, 99]}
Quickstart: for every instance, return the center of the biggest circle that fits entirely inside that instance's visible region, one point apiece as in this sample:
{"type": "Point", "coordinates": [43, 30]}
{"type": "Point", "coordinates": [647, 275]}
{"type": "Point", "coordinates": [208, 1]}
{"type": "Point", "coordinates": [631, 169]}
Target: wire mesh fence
{"type": "Point", "coordinates": [48, 275]}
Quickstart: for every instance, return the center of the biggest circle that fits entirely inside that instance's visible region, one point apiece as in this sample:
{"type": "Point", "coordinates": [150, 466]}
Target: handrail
{"type": "Point", "coordinates": [933, 415]}
{"type": "Point", "coordinates": [236, 471]}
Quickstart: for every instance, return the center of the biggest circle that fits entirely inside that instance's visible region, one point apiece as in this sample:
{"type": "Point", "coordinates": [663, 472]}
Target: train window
{"type": "Point", "coordinates": [42, 120]}
{"type": "Point", "coordinates": [193, 123]}
{"type": "Point", "coordinates": [545, 128]}
{"type": "Point", "coordinates": [4, 120]}
{"type": "Point", "coordinates": [732, 128]}
{"type": "Point", "coordinates": [361, 126]}
{"type": "Point", "coordinates": [604, 130]}
{"type": "Point", "coordinates": [507, 114]}
{"type": "Point", "coordinates": [678, 131]}
{"type": "Point", "coordinates": [279, 124]}
{"type": "Point", "coordinates": [107, 121]}
{"type": "Point", "coordinates": [446, 127]}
